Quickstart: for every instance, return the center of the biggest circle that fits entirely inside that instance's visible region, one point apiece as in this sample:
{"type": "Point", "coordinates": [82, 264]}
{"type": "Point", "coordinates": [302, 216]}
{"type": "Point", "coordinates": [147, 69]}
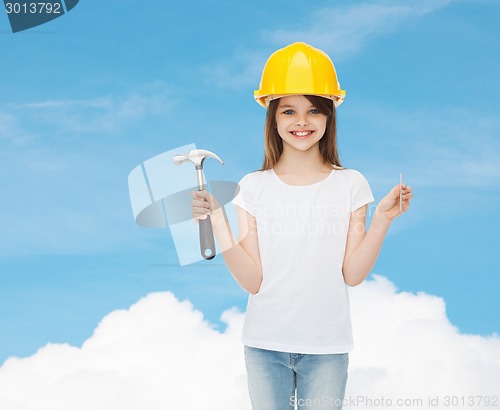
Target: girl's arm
{"type": "Point", "coordinates": [363, 248]}
{"type": "Point", "coordinates": [242, 257]}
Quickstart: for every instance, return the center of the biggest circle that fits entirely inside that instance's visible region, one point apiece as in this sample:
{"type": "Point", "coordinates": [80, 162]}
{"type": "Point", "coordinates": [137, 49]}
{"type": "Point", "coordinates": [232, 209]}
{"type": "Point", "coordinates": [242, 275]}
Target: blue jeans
{"type": "Point", "coordinates": [280, 380]}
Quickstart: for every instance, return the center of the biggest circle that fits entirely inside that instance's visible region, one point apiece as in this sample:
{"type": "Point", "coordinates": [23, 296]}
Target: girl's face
{"type": "Point", "coordinates": [300, 124]}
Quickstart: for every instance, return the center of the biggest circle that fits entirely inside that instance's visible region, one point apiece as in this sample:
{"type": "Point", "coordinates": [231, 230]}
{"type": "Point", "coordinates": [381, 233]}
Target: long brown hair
{"type": "Point", "coordinates": [273, 145]}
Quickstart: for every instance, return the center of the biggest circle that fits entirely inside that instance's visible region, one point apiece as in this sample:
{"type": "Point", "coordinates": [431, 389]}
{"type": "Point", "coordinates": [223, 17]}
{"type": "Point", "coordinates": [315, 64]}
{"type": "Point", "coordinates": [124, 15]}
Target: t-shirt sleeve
{"type": "Point", "coordinates": [361, 193]}
{"type": "Point", "coordinates": [243, 196]}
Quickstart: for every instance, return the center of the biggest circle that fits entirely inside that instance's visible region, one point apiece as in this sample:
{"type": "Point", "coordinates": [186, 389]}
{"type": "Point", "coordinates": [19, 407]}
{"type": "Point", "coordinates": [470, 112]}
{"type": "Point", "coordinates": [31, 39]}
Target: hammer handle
{"type": "Point", "coordinates": [207, 242]}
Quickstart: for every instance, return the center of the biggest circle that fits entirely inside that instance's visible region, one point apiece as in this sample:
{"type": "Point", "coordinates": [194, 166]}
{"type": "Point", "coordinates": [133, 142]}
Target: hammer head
{"type": "Point", "coordinates": [196, 156]}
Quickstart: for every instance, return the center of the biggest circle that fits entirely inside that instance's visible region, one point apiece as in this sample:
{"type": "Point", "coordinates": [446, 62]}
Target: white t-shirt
{"type": "Point", "coordinates": [302, 305]}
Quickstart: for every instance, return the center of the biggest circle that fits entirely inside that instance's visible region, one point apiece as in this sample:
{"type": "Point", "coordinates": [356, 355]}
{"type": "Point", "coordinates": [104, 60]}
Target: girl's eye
{"type": "Point", "coordinates": [288, 112]}
{"type": "Point", "coordinates": [314, 111]}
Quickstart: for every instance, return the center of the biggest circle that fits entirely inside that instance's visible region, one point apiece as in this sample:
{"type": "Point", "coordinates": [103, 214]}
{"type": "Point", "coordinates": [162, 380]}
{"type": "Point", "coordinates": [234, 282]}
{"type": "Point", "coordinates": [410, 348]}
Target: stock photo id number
{"type": "Point", "coordinates": [24, 15]}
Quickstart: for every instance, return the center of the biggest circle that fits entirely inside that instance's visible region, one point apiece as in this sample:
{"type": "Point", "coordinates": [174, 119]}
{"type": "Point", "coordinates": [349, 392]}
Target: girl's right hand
{"type": "Point", "coordinates": [204, 204]}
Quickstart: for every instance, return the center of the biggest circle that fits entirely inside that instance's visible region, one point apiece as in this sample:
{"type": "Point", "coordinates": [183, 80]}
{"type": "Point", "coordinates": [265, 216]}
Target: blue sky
{"type": "Point", "coordinates": [89, 96]}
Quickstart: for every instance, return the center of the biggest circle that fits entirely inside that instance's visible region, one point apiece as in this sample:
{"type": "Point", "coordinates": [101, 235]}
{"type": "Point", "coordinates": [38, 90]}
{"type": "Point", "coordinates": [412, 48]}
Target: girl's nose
{"type": "Point", "coordinates": [302, 121]}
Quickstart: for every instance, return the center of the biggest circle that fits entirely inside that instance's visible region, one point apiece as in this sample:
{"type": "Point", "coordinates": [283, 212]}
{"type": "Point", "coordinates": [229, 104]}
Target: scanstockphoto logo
{"type": "Point", "coordinates": [24, 15]}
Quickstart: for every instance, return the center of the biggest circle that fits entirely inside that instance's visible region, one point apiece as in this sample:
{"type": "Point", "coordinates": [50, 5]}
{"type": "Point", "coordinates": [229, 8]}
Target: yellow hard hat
{"type": "Point", "coordinates": [299, 69]}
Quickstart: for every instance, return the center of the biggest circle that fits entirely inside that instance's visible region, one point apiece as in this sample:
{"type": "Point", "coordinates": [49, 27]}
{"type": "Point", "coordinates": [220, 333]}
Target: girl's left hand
{"type": "Point", "coordinates": [389, 205]}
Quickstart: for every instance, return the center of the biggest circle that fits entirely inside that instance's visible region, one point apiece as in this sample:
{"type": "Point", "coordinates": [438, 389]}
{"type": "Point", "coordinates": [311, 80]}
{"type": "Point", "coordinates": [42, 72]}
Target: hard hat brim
{"type": "Point", "coordinates": [264, 100]}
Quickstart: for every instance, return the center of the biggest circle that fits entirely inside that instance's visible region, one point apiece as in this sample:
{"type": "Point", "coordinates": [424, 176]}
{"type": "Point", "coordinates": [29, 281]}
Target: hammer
{"type": "Point", "coordinates": [197, 156]}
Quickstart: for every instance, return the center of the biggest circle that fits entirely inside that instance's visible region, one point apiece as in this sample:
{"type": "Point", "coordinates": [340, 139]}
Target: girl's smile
{"type": "Point", "coordinates": [301, 134]}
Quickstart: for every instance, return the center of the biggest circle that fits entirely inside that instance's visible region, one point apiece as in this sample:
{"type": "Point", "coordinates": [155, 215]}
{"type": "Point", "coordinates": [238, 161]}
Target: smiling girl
{"type": "Point", "coordinates": [302, 238]}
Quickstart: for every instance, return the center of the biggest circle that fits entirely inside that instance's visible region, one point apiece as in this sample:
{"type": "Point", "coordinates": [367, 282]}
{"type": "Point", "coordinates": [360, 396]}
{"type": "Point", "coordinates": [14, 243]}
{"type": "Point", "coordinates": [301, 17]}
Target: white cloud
{"type": "Point", "coordinates": [243, 70]}
{"type": "Point", "coordinates": [102, 114]}
{"type": "Point", "coordinates": [159, 354]}
{"type": "Point", "coordinates": [407, 348]}
{"type": "Point", "coordinates": [64, 163]}
{"type": "Point", "coordinates": [442, 155]}
{"type": "Point", "coordinates": [345, 30]}
{"type": "Point", "coordinates": [12, 136]}
{"type": "Point", "coordinates": [449, 157]}
{"type": "Point", "coordinates": [162, 354]}
{"type": "Point", "coordinates": [340, 31]}
{"type": "Point", "coordinates": [455, 147]}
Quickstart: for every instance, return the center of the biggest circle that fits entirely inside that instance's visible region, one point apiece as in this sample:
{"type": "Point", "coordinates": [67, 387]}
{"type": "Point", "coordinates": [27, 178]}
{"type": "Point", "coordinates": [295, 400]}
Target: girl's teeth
{"type": "Point", "coordinates": [301, 134]}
